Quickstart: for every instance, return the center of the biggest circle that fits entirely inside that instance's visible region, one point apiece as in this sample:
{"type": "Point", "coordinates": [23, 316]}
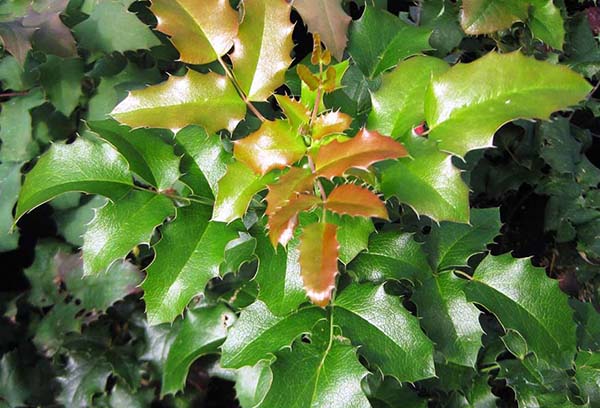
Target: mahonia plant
{"type": "Point", "coordinates": [180, 179]}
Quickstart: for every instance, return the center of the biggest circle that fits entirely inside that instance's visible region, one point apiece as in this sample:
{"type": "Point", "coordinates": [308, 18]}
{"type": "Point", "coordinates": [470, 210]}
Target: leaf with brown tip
{"type": "Point", "coordinates": [263, 47]}
{"type": "Point", "coordinates": [318, 261]}
{"type": "Point", "coordinates": [330, 123]}
{"type": "Point", "coordinates": [284, 221]}
{"type": "Point", "coordinates": [297, 180]}
{"type": "Point", "coordinates": [356, 201]}
{"type": "Point", "coordinates": [274, 145]}
{"type": "Point", "coordinates": [202, 31]}
{"type": "Point", "coordinates": [364, 149]}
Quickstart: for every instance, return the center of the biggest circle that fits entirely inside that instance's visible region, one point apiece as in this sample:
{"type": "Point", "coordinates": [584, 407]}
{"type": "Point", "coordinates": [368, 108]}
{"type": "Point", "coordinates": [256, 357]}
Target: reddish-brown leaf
{"type": "Point", "coordinates": [318, 261]}
{"type": "Point", "coordinates": [355, 201]}
{"type": "Point", "coordinates": [274, 145]}
{"type": "Point", "coordinates": [364, 149]}
{"type": "Point", "coordinates": [330, 123]}
{"type": "Point", "coordinates": [284, 221]}
{"type": "Point", "coordinates": [297, 180]}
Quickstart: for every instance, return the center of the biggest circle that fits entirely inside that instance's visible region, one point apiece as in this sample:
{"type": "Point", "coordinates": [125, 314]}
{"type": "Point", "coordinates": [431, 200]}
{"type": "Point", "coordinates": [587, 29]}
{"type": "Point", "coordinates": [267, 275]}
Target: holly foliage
{"type": "Point", "coordinates": [315, 201]}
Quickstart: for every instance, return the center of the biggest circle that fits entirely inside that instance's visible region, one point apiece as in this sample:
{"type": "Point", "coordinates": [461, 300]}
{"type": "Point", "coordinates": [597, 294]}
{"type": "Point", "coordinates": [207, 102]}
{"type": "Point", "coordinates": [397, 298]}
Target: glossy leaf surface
{"type": "Point", "coordinates": [283, 222]}
{"type": "Point", "coordinates": [296, 180]}
{"type": "Point", "coordinates": [330, 123]}
{"type": "Point", "coordinates": [355, 201]}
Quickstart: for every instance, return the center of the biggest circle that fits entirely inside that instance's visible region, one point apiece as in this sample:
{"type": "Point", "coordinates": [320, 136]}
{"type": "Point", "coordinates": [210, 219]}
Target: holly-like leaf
{"type": "Point", "coordinates": [59, 321]}
{"type": "Point", "coordinates": [318, 374]}
{"type": "Point", "coordinates": [10, 184]}
{"type": "Point", "coordinates": [121, 225]}
{"type": "Point", "coordinates": [330, 123]}
{"type": "Point", "coordinates": [328, 19]}
{"type": "Point", "coordinates": [399, 104]}
{"type": "Point", "coordinates": [278, 275]}
{"type": "Point", "coordinates": [262, 50]}
{"type": "Point", "coordinates": [364, 149]}
{"type": "Point", "coordinates": [295, 111]}
{"type": "Point", "coordinates": [451, 245]}
{"type": "Point", "coordinates": [546, 23]}
{"type": "Point", "coordinates": [352, 234]}
{"type": "Point", "coordinates": [201, 31]}
{"type": "Point", "coordinates": [14, 388]}
{"type": "Point", "coordinates": [283, 222]}
{"type": "Point", "coordinates": [297, 180]}
{"type": "Point", "coordinates": [503, 285]}
{"type": "Point", "coordinates": [396, 40]}
{"type": "Point", "coordinates": [428, 182]}
{"type": "Point", "coordinates": [588, 325]}
{"type": "Point", "coordinates": [98, 35]}
{"type": "Point", "coordinates": [61, 79]}
{"type": "Point", "coordinates": [83, 165]}
{"type": "Point", "coordinates": [72, 223]}
{"type": "Point", "coordinates": [208, 100]}
{"type": "Point", "coordinates": [275, 145]}
{"type": "Point", "coordinates": [253, 383]}
{"type": "Point", "coordinates": [388, 335]}
{"type": "Point", "coordinates": [587, 376]}
{"type": "Point", "coordinates": [448, 319]}
{"type": "Point", "coordinates": [467, 98]}
{"type": "Point", "coordinates": [182, 268]}
{"type": "Point", "coordinates": [84, 377]}
{"type": "Point", "coordinates": [391, 255]}
{"type": "Point", "coordinates": [488, 16]}
{"type": "Point", "coordinates": [235, 191]}
{"type": "Point", "coordinates": [51, 35]}
{"type": "Point", "coordinates": [202, 331]}
{"type": "Point", "coordinates": [16, 39]}
{"type": "Point", "coordinates": [355, 201]}
{"type": "Point", "coordinates": [258, 334]}
{"type": "Point", "coordinates": [318, 261]}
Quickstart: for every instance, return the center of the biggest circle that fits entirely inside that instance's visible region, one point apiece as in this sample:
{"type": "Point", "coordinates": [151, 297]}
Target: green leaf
{"type": "Point", "coordinates": [441, 16]}
{"type": "Point", "coordinates": [488, 16]}
{"type": "Point", "coordinates": [447, 318]}
{"type": "Point", "coordinates": [15, 126]}
{"type": "Point", "coordinates": [467, 98]}
{"type": "Point", "coordinates": [258, 333]}
{"type": "Point", "coordinates": [252, 384]}
{"type": "Point", "coordinates": [121, 225]}
{"type": "Point", "coordinates": [97, 33]}
{"type": "Point", "coordinates": [235, 191]}
{"type": "Point", "coordinates": [588, 325]}
{"type": "Point", "coordinates": [83, 165]}
{"type": "Point", "coordinates": [262, 50]}
{"type": "Point", "coordinates": [205, 160]}
{"type": "Point", "coordinates": [146, 152]}
{"type": "Point", "coordinates": [42, 274]}
{"type": "Point", "coordinates": [202, 331]}
{"type": "Point", "coordinates": [319, 374]}
{"type": "Point", "coordinates": [59, 322]}
{"type": "Point", "coordinates": [582, 47]}
{"type": "Point", "coordinates": [391, 255]}
{"type": "Point", "coordinates": [12, 74]}
{"type": "Point", "coordinates": [546, 23]}
{"type": "Point", "coordinates": [352, 234]}
{"type": "Point", "coordinates": [428, 182]}
{"type": "Point", "coordinates": [201, 31]}
{"type": "Point", "coordinates": [183, 267]}
{"type": "Point", "coordinates": [208, 100]}
{"type": "Point", "coordinates": [61, 79]}
{"type": "Point", "coordinates": [16, 39]}
{"type": "Point", "coordinates": [85, 376]}
{"type": "Point", "coordinates": [451, 245]}
{"type": "Point", "coordinates": [388, 335]}
{"type": "Point", "coordinates": [14, 389]}
{"type": "Point", "coordinates": [587, 376]}
{"type": "Point", "coordinates": [503, 285]}
{"type": "Point", "coordinates": [72, 223]}
{"type": "Point", "coordinates": [380, 40]}
{"type": "Point", "coordinates": [399, 104]}
{"type": "Point", "coordinates": [10, 184]}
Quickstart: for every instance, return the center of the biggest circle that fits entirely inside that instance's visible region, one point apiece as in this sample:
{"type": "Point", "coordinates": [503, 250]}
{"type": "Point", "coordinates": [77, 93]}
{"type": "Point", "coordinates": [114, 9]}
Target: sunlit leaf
{"type": "Point", "coordinates": [355, 201]}
{"type": "Point", "coordinates": [283, 222]}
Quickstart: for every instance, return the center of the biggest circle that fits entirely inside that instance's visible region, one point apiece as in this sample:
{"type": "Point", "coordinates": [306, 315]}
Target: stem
{"type": "Point", "coordinates": [239, 90]}
{"type": "Point", "coordinates": [465, 275]}
{"type": "Point", "coordinates": [199, 200]}
{"type": "Point", "coordinates": [311, 164]}
{"type": "Point", "coordinates": [11, 94]}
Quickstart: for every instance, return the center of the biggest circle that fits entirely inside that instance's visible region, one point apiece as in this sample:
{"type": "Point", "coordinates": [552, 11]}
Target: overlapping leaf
{"type": "Point", "coordinates": [356, 201]}
{"type": "Point", "coordinates": [283, 222]}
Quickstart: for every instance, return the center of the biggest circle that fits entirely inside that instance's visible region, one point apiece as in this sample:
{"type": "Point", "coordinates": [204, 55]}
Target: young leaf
{"type": "Point", "coordinates": [428, 182]}
{"type": "Point", "coordinates": [297, 180]}
{"type": "Point", "coordinates": [258, 334]}
{"type": "Point", "coordinates": [262, 50]}
{"type": "Point", "coordinates": [448, 319]}
{"type": "Point", "coordinates": [283, 222]}
{"type": "Point", "coordinates": [202, 331]}
{"type": "Point", "coordinates": [318, 261]}
{"type": "Point", "coordinates": [121, 225]}
{"type": "Point", "coordinates": [328, 19]}
{"type": "Point", "coordinates": [275, 145]}
{"type": "Point", "coordinates": [318, 374]}
{"type": "Point", "coordinates": [182, 268]}
{"type": "Point", "coordinates": [503, 285]}
{"type": "Point", "coordinates": [388, 335]}
{"type": "Point", "coordinates": [235, 191]}
{"type": "Point", "coordinates": [91, 167]}
{"type": "Point", "coordinates": [201, 31]}
{"type": "Point", "coordinates": [391, 255]}
{"type": "Point", "coordinates": [399, 104]}
{"type": "Point", "coordinates": [396, 40]}
{"type": "Point", "coordinates": [355, 201]}
{"type": "Point", "coordinates": [16, 39]}
{"type": "Point", "coordinates": [330, 123]}
{"type": "Point", "coordinates": [488, 16]}
{"type": "Point", "coordinates": [147, 153]}
{"type": "Point", "coordinates": [364, 149]}
{"type": "Point", "coordinates": [208, 100]}
{"type": "Point", "coordinates": [295, 111]}
{"type": "Point", "coordinates": [466, 98]}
